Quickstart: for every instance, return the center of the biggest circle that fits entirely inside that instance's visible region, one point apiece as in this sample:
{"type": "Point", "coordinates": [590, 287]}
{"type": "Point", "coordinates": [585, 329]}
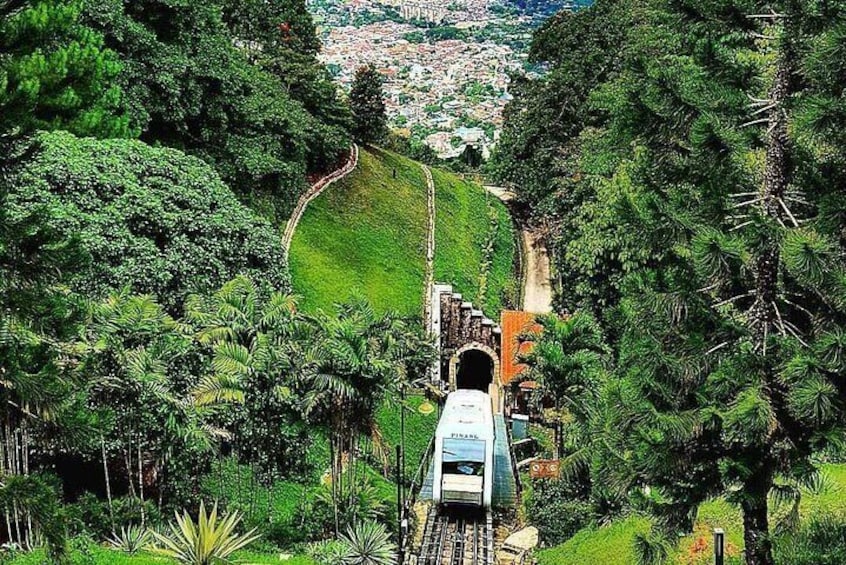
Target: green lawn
{"type": "Point", "coordinates": [419, 429]}
{"type": "Point", "coordinates": [367, 235]}
{"type": "Point", "coordinates": [613, 545]}
{"type": "Point", "coordinates": [469, 221]}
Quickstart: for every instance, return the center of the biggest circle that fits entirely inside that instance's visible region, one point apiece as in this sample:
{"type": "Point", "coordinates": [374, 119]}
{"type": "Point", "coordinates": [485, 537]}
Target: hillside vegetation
{"type": "Point", "coordinates": [686, 162]}
{"type": "Point", "coordinates": [150, 219]}
{"type": "Point", "coordinates": [153, 361]}
{"type": "Point", "coordinates": [474, 243]}
{"type": "Point", "coordinates": [367, 235]}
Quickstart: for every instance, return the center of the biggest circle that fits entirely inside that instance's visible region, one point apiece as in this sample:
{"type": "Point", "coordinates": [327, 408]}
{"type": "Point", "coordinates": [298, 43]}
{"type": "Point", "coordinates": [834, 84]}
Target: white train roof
{"type": "Point", "coordinates": [467, 414]}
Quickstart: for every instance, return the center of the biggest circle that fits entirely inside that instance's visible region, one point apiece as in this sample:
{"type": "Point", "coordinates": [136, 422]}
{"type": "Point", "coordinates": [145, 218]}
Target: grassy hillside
{"type": "Point", "coordinates": [474, 242]}
{"type": "Point", "coordinates": [419, 429]}
{"type": "Point", "coordinates": [366, 234]}
{"type": "Point", "coordinates": [615, 544]}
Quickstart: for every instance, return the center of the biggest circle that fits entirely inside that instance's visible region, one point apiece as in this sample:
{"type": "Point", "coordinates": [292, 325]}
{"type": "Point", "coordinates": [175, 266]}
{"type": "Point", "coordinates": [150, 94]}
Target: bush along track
{"type": "Point", "coordinates": [487, 254]}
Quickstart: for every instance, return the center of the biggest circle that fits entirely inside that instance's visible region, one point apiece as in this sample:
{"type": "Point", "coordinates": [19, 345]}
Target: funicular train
{"type": "Point", "coordinates": [464, 451]}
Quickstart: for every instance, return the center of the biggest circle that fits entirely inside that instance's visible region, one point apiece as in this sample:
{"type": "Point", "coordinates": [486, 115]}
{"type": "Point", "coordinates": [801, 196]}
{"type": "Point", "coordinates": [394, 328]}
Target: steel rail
{"type": "Point", "coordinates": [456, 538]}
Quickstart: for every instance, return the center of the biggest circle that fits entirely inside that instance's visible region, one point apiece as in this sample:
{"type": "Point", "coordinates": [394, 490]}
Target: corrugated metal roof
{"type": "Point", "coordinates": [513, 324]}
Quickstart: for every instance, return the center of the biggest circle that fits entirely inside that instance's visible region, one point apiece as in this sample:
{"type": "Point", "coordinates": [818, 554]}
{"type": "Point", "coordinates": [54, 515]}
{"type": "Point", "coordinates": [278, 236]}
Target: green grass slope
{"type": "Point", "coordinates": [474, 243]}
{"type": "Point", "coordinates": [419, 429]}
{"type": "Point", "coordinates": [367, 235]}
{"type": "Point", "coordinates": [614, 545]}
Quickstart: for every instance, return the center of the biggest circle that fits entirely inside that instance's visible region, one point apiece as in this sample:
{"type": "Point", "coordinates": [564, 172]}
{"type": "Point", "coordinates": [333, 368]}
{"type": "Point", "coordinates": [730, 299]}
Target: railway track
{"type": "Point", "coordinates": [457, 537]}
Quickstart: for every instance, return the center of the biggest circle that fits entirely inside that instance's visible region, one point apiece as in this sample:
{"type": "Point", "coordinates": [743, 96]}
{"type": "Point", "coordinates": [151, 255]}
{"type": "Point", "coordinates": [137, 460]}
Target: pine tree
{"type": "Point", "coordinates": [368, 105]}
{"type": "Point", "coordinates": [733, 319]}
{"type": "Point", "coordinates": [55, 73]}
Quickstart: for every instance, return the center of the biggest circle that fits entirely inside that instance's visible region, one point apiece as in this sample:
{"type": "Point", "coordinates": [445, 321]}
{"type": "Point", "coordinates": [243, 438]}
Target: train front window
{"type": "Point", "coordinates": [464, 457]}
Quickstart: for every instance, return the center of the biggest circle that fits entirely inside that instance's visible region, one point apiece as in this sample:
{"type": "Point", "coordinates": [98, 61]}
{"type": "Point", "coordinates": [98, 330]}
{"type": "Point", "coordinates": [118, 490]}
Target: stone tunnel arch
{"type": "Point", "coordinates": [476, 366]}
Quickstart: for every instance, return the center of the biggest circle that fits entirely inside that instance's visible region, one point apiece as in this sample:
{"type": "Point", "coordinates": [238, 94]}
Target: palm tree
{"type": "Point", "coordinates": [39, 321]}
{"type": "Point", "coordinates": [133, 349]}
{"type": "Point", "coordinates": [359, 359]}
{"type": "Point", "coordinates": [254, 342]}
{"type": "Point", "coordinates": [569, 359]}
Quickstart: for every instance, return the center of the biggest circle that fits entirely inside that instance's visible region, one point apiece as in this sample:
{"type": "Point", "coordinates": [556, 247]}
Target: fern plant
{"type": "Point", "coordinates": [209, 541]}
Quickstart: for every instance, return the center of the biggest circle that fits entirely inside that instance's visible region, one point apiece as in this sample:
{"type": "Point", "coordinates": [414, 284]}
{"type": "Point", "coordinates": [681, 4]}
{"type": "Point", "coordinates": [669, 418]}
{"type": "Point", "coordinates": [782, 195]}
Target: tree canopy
{"type": "Point", "coordinates": [196, 78]}
{"type": "Point", "coordinates": [689, 183]}
{"type": "Point", "coordinates": [151, 219]}
{"type": "Point", "coordinates": [55, 73]}
{"type": "Point", "coordinates": [368, 105]}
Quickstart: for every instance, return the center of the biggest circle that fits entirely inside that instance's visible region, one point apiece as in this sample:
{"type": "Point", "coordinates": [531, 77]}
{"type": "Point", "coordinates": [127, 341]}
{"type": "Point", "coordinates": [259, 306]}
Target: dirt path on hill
{"type": "Point", "coordinates": [537, 284]}
{"type": "Point", "coordinates": [430, 246]}
{"type": "Point", "coordinates": [315, 191]}
{"type": "Point", "coordinates": [537, 287]}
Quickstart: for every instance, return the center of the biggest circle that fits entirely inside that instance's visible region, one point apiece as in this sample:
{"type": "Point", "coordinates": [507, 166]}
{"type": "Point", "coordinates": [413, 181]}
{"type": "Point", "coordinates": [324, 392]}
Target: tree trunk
{"type": "Point", "coordinates": [776, 181]}
{"type": "Point", "coordinates": [333, 449]}
{"type": "Point", "coordinates": [141, 483]}
{"type": "Point", "coordinates": [756, 529]}
{"type": "Point", "coordinates": [108, 483]}
{"type": "Point", "coordinates": [764, 316]}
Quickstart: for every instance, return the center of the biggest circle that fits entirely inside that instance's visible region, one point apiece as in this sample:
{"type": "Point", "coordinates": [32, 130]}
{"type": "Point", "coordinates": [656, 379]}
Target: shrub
{"type": "Point", "coordinates": [821, 541]}
{"type": "Point", "coordinates": [153, 219]}
{"type": "Point", "coordinates": [555, 513]}
{"type": "Point", "coordinates": [205, 542]}
{"type": "Point", "coordinates": [131, 539]}
{"type": "Point", "coordinates": [369, 544]}
{"type": "Point", "coordinates": [330, 552]}
{"type": "Point", "coordinates": [90, 515]}
{"type": "Point", "coordinates": [39, 494]}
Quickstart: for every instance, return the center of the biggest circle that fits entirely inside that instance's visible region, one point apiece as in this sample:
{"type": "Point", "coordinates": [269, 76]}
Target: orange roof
{"type": "Point", "coordinates": [513, 324]}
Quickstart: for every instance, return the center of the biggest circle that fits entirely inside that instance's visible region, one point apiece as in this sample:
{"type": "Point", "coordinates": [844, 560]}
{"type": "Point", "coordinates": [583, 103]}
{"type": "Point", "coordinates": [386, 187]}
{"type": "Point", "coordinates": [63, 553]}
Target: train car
{"type": "Point", "coordinates": [464, 451]}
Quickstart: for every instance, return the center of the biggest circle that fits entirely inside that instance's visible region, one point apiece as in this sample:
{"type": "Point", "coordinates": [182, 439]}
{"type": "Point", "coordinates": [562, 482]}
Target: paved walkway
{"type": "Point", "coordinates": [537, 286]}
{"type": "Point", "coordinates": [537, 278]}
{"type": "Point", "coordinates": [430, 246]}
{"type": "Point", "coordinates": [315, 191]}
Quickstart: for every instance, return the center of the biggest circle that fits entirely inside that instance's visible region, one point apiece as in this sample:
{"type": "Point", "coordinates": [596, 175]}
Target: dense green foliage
{"type": "Point", "coordinates": [190, 83]}
{"type": "Point", "coordinates": [147, 345]}
{"type": "Point", "coordinates": [541, 125]}
{"type": "Point", "coordinates": [474, 243]}
{"type": "Point", "coordinates": [153, 220]}
{"type": "Point", "coordinates": [55, 73]}
{"type": "Point", "coordinates": [692, 197]}
{"type": "Point", "coordinates": [368, 105]}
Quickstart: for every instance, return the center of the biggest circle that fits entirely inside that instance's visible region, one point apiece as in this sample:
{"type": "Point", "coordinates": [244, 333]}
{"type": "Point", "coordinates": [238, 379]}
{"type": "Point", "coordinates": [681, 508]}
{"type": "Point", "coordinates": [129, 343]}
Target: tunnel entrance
{"type": "Point", "coordinates": [475, 371]}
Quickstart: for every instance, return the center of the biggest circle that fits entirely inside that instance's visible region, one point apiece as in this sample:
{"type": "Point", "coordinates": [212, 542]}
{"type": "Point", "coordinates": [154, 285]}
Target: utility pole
{"type": "Point", "coordinates": [402, 425]}
{"type": "Point", "coordinates": [400, 506]}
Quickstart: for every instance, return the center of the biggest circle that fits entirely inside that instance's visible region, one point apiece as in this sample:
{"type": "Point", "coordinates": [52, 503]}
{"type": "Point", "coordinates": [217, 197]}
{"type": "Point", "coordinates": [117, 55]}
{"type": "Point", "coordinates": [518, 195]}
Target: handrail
{"type": "Point", "coordinates": [414, 489]}
{"type": "Point", "coordinates": [313, 192]}
{"type": "Point", "coordinates": [518, 483]}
